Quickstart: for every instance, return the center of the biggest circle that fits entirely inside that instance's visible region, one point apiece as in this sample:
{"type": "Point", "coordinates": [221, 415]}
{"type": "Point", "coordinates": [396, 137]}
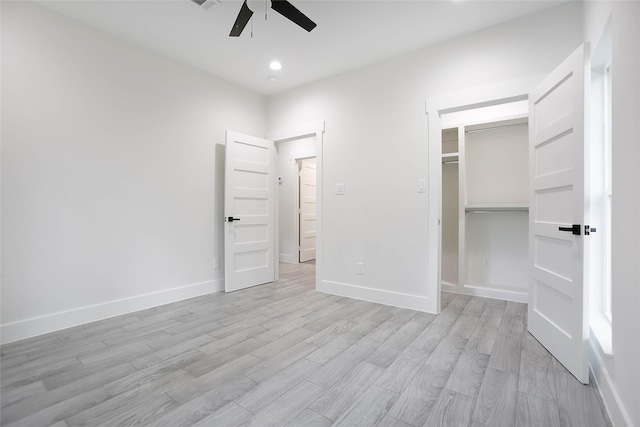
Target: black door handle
{"type": "Point", "coordinates": [574, 229]}
{"type": "Point", "coordinates": [231, 219]}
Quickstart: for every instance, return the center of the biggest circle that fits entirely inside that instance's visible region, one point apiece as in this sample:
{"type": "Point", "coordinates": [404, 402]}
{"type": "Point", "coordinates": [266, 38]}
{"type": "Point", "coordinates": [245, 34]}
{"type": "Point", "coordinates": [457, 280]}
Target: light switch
{"type": "Point", "coordinates": [422, 186]}
{"type": "Point", "coordinates": [340, 189]}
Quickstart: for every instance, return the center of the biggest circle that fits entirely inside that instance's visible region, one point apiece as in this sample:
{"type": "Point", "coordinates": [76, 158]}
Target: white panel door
{"type": "Point", "coordinates": [558, 305]}
{"type": "Point", "coordinates": [307, 209]}
{"type": "Point", "coordinates": [249, 244]}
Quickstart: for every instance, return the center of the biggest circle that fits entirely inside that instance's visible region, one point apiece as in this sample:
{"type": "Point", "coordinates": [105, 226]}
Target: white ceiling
{"type": "Point", "coordinates": [350, 34]}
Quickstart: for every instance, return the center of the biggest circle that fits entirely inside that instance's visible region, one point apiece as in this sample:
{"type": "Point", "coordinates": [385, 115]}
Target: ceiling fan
{"type": "Point", "coordinates": [283, 7]}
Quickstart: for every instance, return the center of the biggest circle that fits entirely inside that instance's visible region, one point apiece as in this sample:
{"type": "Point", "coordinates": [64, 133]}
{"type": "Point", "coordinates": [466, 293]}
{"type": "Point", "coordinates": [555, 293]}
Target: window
{"type": "Point", "coordinates": [608, 192]}
{"type": "Point", "coordinates": [601, 186]}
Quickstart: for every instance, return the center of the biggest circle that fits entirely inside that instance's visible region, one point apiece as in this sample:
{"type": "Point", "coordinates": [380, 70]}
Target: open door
{"type": "Point", "coordinates": [307, 181]}
{"type": "Point", "coordinates": [249, 244]}
{"type": "Point", "coordinates": [558, 216]}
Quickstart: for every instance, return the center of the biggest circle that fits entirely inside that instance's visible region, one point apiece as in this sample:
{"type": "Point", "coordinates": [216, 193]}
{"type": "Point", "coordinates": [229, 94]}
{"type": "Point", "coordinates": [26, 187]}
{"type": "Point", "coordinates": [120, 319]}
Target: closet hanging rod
{"type": "Point", "coordinates": [488, 209]}
{"type": "Point", "coordinates": [450, 161]}
{"type": "Point", "coordinates": [495, 127]}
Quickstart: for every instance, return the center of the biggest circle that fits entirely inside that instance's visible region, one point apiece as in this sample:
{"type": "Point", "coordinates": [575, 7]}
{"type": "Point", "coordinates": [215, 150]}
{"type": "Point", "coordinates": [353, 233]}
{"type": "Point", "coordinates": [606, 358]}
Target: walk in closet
{"type": "Point", "coordinates": [485, 172]}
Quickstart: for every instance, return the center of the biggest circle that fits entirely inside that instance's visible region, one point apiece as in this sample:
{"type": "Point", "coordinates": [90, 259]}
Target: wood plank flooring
{"type": "Point", "coordinates": [283, 354]}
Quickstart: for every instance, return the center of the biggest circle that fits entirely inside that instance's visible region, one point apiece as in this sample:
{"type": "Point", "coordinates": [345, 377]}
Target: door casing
{"type": "Point", "coordinates": [299, 131]}
{"type": "Point", "coordinates": [517, 90]}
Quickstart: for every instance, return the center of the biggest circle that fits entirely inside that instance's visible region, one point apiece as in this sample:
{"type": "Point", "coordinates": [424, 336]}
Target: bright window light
{"type": "Point", "coordinates": [608, 193]}
{"type": "Point", "coordinates": [601, 187]}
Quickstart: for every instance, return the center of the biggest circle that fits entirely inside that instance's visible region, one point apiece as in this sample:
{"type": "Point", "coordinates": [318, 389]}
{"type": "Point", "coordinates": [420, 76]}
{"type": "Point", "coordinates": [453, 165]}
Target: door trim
{"type": "Point", "coordinates": [299, 131]}
{"type": "Point", "coordinates": [485, 96]}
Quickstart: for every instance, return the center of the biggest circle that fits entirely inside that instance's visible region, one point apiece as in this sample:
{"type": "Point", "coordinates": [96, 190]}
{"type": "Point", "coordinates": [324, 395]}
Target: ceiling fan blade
{"type": "Point", "coordinates": [289, 11]}
{"type": "Point", "coordinates": [241, 21]}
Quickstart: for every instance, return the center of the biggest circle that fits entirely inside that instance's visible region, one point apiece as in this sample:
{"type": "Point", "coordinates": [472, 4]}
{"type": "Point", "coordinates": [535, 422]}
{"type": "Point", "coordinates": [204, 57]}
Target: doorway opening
{"type": "Point", "coordinates": [484, 204]}
{"type": "Point", "coordinates": [291, 154]}
{"type": "Point", "coordinates": [299, 195]}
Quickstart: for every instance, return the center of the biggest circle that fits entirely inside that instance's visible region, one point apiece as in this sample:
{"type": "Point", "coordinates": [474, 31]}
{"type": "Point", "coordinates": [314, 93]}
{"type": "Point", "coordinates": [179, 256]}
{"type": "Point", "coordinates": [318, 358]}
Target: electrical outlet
{"type": "Point", "coordinates": [359, 268]}
{"type": "Point", "coordinates": [216, 263]}
{"type": "Point", "coordinates": [485, 263]}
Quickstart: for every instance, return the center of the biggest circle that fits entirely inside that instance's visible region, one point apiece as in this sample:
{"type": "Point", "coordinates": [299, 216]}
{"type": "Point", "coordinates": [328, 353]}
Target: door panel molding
{"type": "Point", "coordinates": [558, 289]}
{"type": "Point", "coordinates": [250, 182]}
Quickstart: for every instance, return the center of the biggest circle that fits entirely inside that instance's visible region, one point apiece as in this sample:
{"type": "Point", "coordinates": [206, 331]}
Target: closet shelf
{"type": "Point", "coordinates": [496, 208]}
{"type": "Point", "coordinates": [450, 157]}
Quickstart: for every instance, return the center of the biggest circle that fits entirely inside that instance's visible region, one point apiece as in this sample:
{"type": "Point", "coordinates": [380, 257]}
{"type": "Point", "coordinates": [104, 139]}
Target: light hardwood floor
{"type": "Point", "coordinates": [283, 354]}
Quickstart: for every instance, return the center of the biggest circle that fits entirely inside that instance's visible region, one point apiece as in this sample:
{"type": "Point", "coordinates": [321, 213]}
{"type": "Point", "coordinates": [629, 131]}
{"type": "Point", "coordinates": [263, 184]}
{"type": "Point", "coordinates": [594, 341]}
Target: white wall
{"type": "Point", "coordinates": [618, 375]}
{"type": "Point", "coordinates": [376, 144]}
{"type": "Point", "coordinates": [111, 177]}
{"type": "Point", "coordinates": [497, 165]}
{"type": "Point", "coordinates": [500, 239]}
{"type": "Point", "coordinates": [288, 152]}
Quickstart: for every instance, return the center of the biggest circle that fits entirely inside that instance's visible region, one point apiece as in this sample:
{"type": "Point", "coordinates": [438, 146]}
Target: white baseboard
{"type": "Point", "coordinates": [287, 259]}
{"type": "Point", "coordinates": [54, 322]}
{"type": "Point", "coordinates": [396, 299]}
{"type": "Point", "coordinates": [617, 412]}
{"type": "Point", "coordinates": [481, 291]}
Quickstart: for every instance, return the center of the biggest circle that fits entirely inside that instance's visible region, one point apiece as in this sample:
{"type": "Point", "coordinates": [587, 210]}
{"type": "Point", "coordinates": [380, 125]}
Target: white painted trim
{"type": "Point", "coordinates": [56, 321]}
{"type": "Point", "coordinates": [601, 333]}
{"type": "Point", "coordinates": [479, 97]}
{"type": "Point", "coordinates": [606, 386]}
{"type": "Point", "coordinates": [319, 203]}
{"type": "Point", "coordinates": [296, 216]}
{"type": "Point", "coordinates": [434, 195]}
{"type": "Point", "coordinates": [297, 131]}
{"type": "Point", "coordinates": [462, 202]}
{"type": "Point", "coordinates": [396, 299]}
{"type": "Point", "coordinates": [483, 96]}
{"type": "Point", "coordinates": [482, 291]}
{"type": "Point", "coordinates": [287, 259]}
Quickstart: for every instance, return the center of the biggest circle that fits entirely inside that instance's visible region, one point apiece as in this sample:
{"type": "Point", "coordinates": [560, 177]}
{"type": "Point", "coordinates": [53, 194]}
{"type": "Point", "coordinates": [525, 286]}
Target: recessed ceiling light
{"type": "Point", "coordinates": [275, 65]}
